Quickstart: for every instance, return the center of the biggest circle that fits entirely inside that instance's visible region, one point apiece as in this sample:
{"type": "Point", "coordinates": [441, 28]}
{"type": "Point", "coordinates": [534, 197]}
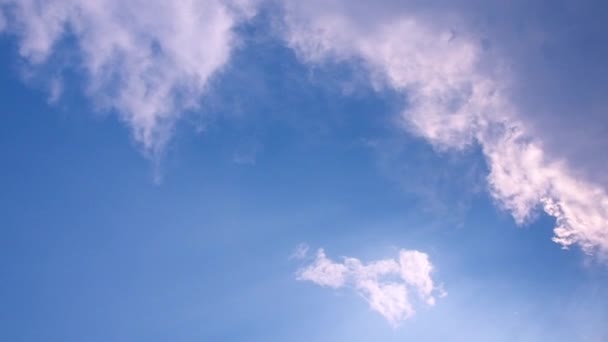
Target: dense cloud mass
{"type": "Point", "coordinates": [385, 284]}
{"type": "Point", "coordinates": [458, 94]}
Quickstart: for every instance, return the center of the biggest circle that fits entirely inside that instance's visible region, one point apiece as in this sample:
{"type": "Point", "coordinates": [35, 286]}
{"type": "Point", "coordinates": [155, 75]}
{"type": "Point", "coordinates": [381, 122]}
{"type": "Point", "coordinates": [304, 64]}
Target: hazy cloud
{"type": "Point", "coordinates": [300, 252]}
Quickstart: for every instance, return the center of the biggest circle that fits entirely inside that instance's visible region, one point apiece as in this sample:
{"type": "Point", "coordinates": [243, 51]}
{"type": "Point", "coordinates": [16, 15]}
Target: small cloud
{"type": "Point", "coordinates": [55, 90]}
{"type": "Point", "coordinates": [244, 158]}
{"type": "Point", "coordinates": [300, 253]}
{"type": "Point", "coordinates": [247, 154]}
{"type": "Point", "coordinates": [391, 287]}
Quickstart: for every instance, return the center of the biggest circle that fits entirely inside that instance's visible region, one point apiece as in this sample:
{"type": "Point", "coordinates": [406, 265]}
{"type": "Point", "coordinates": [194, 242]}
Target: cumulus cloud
{"type": "Point", "coordinates": [457, 95]}
{"type": "Point", "coordinates": [385, 284]}
{"type": "Point", "coordinates": [149, 61]}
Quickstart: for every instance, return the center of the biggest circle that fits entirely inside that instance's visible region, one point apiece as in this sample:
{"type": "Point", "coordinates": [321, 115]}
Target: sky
{"type": "Point", "coordinates": [279, 170]}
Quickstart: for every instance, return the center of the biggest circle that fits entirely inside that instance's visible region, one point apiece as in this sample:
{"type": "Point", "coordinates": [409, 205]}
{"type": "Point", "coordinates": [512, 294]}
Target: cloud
{"type": "Point", "coordinates": [465, 83]}
{"type": "Point", "coordinates": [301, 252]}
{"type": "Point", "coordinates": [147, 60]}
{"type": "Point", "coordinates": [458, 94]}
{"type": "Point", "coordinates": [385, 284]}
{"type": "Point", "coordinates": [247, 152]}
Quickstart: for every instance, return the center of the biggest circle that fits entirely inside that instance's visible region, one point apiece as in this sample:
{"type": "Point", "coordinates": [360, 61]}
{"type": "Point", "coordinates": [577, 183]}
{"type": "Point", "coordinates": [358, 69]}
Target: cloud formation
{"type": "Point", "coordinates": [385, 284]}
{"type": "Point", "coordinates": [457, 95]}
{"type": "Point", "coordinates": [150, 61]}
{"type": "Point", "coordinates": [147, 60]}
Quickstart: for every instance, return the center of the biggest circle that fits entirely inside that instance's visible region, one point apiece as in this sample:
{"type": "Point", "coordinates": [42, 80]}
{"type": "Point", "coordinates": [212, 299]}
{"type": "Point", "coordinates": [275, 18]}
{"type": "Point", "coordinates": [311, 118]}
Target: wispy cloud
{"type": "Point", "coordinates": [456, 98]}
{"type": "Point", "coordinates": [385, 284]}
{"type": "Point", "coordinates": [300, 252]}
{"type": "Point", "coordinates": [147, 60]}
{"type": "Point", "coordinates": [2, 22]}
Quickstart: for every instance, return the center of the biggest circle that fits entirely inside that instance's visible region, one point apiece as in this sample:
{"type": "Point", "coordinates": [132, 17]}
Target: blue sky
{"type": "Point", "coordinates": [156, 188]}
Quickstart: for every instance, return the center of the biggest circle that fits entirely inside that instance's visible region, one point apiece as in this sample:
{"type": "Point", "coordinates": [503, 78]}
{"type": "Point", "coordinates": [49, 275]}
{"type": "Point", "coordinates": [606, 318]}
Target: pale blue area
{"type": "Point", "coordinates": [91, 249]}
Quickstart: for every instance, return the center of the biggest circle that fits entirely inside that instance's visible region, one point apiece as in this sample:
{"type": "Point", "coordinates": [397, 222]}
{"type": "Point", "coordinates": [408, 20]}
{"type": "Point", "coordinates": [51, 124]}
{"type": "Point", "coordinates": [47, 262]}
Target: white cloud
{"type": "Point", "coordinates": [324, 272]}
{"type": "Point", "coordinates": [147, 60]}
{"type": "Point", "coordinates": [385, 284]}
{"type": "Point", "coordinates": [415, 270]}
{"type": "Point", "coordinates": [456, 98]}
{"type": "Point", "coordinates": [522, 178]}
